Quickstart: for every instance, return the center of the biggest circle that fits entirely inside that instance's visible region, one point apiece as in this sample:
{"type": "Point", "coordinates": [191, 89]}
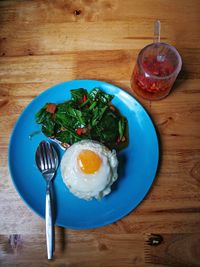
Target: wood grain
{"type": "Point", "coordinates": [46, 42]}
{"type": "Point", "coordinates": [174, 250]}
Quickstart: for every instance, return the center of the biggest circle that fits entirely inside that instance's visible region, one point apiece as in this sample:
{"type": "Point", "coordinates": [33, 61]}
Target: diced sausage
{"type": "Point", "coordinates": [51, 108]}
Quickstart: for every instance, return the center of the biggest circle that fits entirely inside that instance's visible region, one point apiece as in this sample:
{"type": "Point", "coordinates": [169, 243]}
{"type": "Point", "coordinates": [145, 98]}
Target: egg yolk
{"type": "Point", "coordinates": [89, 162]}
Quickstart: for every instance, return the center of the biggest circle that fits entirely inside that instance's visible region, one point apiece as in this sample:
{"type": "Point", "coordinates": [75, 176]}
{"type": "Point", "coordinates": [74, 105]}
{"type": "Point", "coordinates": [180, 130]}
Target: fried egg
{"type": "Point", "coordinates": [89, 169]}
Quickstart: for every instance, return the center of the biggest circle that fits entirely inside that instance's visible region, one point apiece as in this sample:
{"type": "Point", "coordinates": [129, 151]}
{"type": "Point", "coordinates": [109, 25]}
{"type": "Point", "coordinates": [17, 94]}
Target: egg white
{"type": "Point", "coordinates": [88, 186]}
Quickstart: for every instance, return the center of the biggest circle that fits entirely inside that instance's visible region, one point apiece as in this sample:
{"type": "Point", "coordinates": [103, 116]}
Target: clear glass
{"type": "Point", "coordinates": [156, 69]}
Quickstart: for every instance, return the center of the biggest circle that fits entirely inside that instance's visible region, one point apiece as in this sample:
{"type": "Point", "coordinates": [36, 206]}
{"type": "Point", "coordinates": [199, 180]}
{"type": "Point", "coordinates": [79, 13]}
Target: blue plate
{"type": "Point", "coordinates": [138, 162]}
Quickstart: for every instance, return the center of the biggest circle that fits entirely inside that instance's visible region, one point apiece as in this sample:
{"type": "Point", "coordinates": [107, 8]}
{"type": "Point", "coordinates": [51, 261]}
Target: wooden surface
{"type": "Point", "coordinates": [46, 42]}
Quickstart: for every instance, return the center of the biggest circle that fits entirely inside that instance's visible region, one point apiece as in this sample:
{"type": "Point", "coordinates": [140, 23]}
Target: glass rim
{"type": "Point", "coordinates": [177, 69]}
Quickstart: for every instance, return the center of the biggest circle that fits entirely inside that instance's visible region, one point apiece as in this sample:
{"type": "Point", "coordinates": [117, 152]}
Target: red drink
{"type": "Point", "coordinates": [155, 71]}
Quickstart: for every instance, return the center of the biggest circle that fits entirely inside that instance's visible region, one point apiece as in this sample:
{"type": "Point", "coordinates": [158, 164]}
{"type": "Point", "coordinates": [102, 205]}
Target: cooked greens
{"type": "Point", "coordinates": [88, 115]}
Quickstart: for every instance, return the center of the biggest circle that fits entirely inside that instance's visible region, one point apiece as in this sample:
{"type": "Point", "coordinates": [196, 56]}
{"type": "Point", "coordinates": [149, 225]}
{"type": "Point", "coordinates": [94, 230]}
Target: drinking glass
{"type": "Point", "coordinates": [157, 67]}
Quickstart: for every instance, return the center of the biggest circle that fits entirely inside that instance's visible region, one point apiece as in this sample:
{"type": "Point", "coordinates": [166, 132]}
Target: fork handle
{"type": "Point", "coordinates": [49, 221]}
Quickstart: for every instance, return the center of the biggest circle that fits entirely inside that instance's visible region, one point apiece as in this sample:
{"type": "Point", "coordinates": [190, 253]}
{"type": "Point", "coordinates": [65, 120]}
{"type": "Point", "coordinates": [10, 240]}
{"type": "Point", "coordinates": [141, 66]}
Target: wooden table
{"type": "Point", "coordinates": [46, 42]}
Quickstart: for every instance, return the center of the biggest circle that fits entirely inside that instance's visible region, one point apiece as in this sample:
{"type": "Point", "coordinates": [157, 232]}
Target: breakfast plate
{"type": "Point", "coordinates": [137, 163]}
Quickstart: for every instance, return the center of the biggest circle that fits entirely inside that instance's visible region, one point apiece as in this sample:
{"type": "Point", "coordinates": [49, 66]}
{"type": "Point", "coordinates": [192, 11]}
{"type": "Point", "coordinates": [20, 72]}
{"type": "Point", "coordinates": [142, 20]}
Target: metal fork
{"type": "Point", "coordinates": [47, 162]}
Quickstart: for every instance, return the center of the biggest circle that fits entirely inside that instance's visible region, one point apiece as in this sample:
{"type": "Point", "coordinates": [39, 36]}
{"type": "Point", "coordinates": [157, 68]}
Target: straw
{"type": "Point", "coordinates": [157, 27]}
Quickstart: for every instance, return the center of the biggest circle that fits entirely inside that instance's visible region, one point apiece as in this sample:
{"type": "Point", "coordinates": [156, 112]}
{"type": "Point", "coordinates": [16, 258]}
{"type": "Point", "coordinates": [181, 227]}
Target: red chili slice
{"type": "Point", "coordinates": [118, 140]}
{"type": "Point", "coordinates": [79, 131]}
{"type": "Point", "coordinates": [84, 98]}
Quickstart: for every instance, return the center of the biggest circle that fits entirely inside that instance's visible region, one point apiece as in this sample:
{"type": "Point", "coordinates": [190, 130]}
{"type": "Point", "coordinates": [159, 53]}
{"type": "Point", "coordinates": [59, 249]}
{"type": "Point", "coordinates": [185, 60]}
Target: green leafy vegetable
{"type": "Point", "coordinates": [98, 95]}
{"type": "Point", "coordinates": [48, 127]}
{"type": "Point", "coordinates": [85, 116]}
{"type": "Point", "coordinates": [106, 131]}
{"type": "Point", "coordinates": [78, 94]}
{"type": "Point", "coordinates": [43, 117]}
{"type": "Point", "coordinates": [121, 127]}
{"type": "Point", "coordinates": [97, 115]}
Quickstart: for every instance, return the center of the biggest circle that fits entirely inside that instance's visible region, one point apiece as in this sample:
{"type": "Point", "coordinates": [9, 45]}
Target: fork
{"type": "Point", "coordinates": [47, 162]}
